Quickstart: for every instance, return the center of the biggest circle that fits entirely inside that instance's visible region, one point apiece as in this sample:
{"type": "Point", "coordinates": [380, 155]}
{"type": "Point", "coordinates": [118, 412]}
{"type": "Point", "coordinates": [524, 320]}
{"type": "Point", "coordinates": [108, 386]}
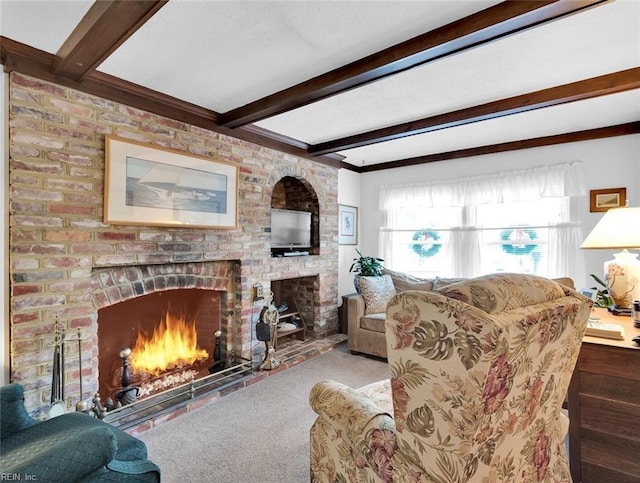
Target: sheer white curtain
{"type": "Point", "coordinates": [464, 247]}
{"type": "Point", "coordinates": [465, 253]}
{"type": "Point", "coordinates": [522, 185]}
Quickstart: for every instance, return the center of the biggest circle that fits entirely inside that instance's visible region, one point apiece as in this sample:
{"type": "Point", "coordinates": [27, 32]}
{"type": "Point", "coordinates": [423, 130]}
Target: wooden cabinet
{"type": "Point", "coordinates": [604, 408]}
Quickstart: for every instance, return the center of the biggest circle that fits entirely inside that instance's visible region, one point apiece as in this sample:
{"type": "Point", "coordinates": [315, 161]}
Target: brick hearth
{"type": "Point", "coordinates": [291, 353]}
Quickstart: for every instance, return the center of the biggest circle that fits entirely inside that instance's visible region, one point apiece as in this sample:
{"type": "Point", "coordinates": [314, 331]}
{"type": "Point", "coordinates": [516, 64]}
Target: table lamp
{"type": "Point", "coordinates": [619, 228]}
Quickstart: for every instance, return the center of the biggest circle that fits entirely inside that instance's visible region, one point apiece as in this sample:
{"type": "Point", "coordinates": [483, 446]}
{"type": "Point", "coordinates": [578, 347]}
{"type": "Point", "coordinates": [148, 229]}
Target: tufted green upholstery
{"type": "Point", "coordinates": [16, 419]}
{"type": "Point", "coordinates": [71, 447]}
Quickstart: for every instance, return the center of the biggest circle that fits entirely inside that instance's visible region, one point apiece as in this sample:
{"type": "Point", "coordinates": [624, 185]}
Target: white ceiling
{"type": "Point", "coordinates": [222, 55]}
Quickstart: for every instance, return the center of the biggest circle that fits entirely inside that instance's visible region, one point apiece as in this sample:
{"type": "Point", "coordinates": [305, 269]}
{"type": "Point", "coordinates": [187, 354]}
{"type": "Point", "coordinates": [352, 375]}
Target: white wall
{"type": "Point", "coordinates": [608, 163]}
{"type": "Point", "coordinates": [348, 194]}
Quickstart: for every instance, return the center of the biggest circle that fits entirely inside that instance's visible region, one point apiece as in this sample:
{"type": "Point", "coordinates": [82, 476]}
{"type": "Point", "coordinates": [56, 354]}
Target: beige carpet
{"type": "Point", "coordinates": [259, 433]}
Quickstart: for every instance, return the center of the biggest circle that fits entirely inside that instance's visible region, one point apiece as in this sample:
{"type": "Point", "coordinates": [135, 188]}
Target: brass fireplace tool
{"type": "Point", "coordinates": [57, 378]}
{"type": "Point", "coordinates": [81, 405]}
{"type": "Point", "coordinates": [266, 332]}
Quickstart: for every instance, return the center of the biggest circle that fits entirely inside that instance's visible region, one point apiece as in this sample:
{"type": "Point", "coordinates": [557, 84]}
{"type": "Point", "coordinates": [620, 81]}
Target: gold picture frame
{"type": "Point", "coordinates": [605, 199]}
{"type": "Point", "coordinates": [153, 186]}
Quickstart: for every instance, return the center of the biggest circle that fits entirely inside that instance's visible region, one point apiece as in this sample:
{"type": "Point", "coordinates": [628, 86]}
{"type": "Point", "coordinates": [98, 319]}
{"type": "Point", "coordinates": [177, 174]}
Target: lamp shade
{"type": "Point", "coordinates": [618, 228]}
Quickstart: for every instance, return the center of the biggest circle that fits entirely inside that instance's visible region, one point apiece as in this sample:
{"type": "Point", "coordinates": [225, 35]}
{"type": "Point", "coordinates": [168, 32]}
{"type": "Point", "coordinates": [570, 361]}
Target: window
{"type": "Point", "coordinates": [511, 222]}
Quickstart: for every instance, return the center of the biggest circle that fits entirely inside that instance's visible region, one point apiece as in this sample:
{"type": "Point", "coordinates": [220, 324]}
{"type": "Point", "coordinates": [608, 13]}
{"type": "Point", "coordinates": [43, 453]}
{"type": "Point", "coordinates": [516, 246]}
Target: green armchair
{"type": "Point", "coordinates": [71, 447]}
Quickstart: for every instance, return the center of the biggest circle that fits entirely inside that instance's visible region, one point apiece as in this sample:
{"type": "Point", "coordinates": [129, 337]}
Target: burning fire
{"type": "Point", "coordinates": [173, 343]}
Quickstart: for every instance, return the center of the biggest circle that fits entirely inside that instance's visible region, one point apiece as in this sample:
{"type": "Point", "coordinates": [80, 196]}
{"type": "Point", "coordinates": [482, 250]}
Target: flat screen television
{"type": "Point", "coordinates": [290, 229]}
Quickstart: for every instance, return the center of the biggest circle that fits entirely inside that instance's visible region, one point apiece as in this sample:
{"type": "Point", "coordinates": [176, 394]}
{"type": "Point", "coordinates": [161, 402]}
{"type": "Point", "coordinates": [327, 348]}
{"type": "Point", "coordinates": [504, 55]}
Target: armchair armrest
{"type": "Point", "coordinates": [350, 411]}
{"type": "Point", "coordinates": [122, 471]}
{"type": "Point", "coordinates": [355, 310]}
{"type": "Point", "coordinates": [13, 415]}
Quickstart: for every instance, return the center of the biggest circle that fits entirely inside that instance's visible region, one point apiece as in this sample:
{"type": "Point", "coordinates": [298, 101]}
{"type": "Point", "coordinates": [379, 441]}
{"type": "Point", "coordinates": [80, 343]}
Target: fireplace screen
{"type": "Point", "coordinates": [155, 342]}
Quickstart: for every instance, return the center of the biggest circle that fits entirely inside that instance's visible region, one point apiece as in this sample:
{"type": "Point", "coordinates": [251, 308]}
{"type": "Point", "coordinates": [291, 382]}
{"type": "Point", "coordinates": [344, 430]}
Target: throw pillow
{"type": "Point", "coordinates": [376, 291]}
{"type": "Point", "coordinates": [403, 281]}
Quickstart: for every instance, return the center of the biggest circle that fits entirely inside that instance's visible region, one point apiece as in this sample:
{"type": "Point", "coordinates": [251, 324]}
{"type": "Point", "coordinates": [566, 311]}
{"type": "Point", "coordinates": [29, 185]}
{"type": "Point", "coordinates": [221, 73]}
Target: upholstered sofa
{"type": "Point", "coordinates": [366, 328]}
{"type": "Point", "coordinates": [67, 448]}
{"type": "Point", "coordinates": [479, 371]}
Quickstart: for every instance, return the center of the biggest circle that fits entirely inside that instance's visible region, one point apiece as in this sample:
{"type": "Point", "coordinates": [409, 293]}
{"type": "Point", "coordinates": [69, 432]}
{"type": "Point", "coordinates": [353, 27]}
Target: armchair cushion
{"type": "Point", "coordinates": [440, 282]}
{"type": "Point", "coordinates": [496, 293]}
{"type": "Point", "coordinates": [373, 322]}
{"type": "Point", "coordinates": [403, 281]}
{"type": "Point", "coordinates": [50, 452]}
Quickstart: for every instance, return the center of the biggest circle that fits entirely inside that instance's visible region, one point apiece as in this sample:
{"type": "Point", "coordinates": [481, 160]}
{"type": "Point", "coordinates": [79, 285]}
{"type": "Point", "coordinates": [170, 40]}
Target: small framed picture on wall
{"type": "Point", "coordinates": [602, 200]}
{"type": "Point", "coordinates": [347, 225]}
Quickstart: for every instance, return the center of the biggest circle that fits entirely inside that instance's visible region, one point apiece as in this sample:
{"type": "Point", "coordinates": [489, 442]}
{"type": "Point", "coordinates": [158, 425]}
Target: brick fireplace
{"type": "Point", "coordinates": [133, 303]}
{"type": "Point", "coordinates": [66, 263]}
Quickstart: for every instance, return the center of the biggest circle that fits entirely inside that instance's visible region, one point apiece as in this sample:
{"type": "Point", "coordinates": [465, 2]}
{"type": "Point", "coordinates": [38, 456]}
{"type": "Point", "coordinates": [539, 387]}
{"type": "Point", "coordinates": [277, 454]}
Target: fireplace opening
{"type": "Point", "coordinates": [157, 341]}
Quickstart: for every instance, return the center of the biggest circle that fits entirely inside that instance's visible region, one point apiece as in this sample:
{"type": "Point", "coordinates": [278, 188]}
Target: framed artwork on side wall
{"type": "Point", "coordinates": [152, 186]}
{"type": "Point", "coordinates": [602, 200]}
{"type": "Point", "coordinates": [347, 225]}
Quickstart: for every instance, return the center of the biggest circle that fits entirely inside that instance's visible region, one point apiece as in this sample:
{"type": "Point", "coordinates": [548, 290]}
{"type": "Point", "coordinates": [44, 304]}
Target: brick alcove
{"type": "Point", "coordinates": [292, 193]}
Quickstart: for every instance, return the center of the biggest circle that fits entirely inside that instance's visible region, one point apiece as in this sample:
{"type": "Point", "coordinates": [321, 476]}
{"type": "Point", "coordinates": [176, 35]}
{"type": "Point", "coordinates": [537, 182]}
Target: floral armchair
{"type": "Point", "coordinates": [479, 369]}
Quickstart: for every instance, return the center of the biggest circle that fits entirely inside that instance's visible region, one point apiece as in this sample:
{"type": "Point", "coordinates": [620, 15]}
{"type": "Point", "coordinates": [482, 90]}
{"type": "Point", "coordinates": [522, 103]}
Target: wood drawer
{"type": "Point", "coordinates": [597, 474]}
{"type": "Point", "coordinates": [610, 453]}
{"type": "Point", "coordinates": [608, 416]}
{"type": "Point", "coordinates": [615, 388]}
{"type": "Point", "coordinates": [610, 361]}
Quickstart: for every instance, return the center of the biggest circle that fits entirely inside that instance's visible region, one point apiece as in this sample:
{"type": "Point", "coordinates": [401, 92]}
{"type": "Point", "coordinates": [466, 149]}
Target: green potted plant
{"type": "Point", "coordinates": [603, 298]}
{"type": "Point", "coordinates": [365, 266]}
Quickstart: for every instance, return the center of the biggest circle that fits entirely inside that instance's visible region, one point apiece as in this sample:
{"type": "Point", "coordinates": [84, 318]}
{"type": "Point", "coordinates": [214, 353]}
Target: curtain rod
{"type": "Point", "coordinates": [476, 228]}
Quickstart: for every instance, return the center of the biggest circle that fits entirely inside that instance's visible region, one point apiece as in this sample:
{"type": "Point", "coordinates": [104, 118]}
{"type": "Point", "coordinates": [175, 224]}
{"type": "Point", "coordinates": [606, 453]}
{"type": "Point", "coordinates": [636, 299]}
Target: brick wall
{"type": "Point", "coordinates": [58, 239]}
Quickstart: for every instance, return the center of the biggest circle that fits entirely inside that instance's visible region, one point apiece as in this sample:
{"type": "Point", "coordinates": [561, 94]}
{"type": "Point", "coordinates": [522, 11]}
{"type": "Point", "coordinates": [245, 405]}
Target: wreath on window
{"type": "Point", "coordinates": [520, 234]}
{"type": "Point", "coordinates": [423, 249]}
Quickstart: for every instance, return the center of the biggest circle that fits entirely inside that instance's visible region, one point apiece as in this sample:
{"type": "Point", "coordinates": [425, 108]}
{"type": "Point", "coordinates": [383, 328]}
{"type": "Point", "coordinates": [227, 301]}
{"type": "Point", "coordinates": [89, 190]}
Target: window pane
{"type": "Point", "coordinates": [421, 253]}
{"type": "Point", "coordinates": [512, 237]}
{"type": "Point", "coordinates": [520, 250]}
{"type": "Point", "coordinates": [533, 213]}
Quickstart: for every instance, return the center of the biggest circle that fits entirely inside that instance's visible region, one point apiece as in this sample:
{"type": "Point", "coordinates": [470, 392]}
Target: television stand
{"type": "Point", "coordinates": [295, 254]}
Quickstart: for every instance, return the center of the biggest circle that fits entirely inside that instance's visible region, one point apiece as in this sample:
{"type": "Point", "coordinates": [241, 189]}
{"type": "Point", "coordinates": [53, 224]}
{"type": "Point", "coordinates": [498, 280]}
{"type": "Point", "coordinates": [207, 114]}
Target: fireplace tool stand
{"type": "Point", "coordinates": [266, 332]}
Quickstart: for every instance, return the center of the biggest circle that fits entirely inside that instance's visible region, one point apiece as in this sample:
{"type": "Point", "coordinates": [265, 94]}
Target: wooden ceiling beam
{"type": "Point", "coordinates": [22, 58]}
{"type": "Point", "coordinates": [106, 26]}
{"type": "Point", "coordinates": [585, 89]}
{"type": "Point", "coordinates": [572, 137]}
{"type": "Point", "coordinates": [495, 22]}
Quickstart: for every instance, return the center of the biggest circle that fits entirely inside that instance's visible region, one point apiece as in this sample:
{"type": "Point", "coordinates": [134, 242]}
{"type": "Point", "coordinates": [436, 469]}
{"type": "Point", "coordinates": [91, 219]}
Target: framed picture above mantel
{"type": "Point", "coordinates": [604, 199]}
{"type": "Point", "coordinates": [154, 186]}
